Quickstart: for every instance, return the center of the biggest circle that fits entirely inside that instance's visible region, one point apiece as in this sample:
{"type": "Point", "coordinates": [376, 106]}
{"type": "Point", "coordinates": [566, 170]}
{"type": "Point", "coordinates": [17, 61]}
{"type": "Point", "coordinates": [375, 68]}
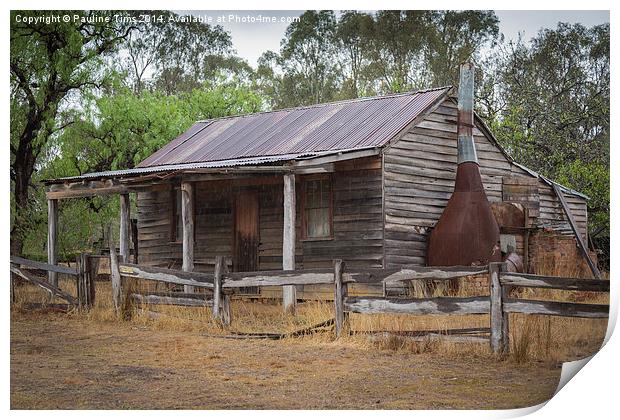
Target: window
{"type": "Point", "coordinates": [317, 208]}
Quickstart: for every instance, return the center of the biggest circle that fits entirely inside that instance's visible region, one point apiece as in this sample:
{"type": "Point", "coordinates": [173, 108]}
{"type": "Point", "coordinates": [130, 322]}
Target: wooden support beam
{"type": "Point", "coordinates": [187, 215]}
{"type": "Point", "coordinates": [217, 287]}
{"type": "Point", "coordinates": [558, 283]}
{"type": "Point", "coordinates": [150, 299]}
{"type": "Point", "coordinates": [340, 294]}
{"type": "Point", "coordinates": [284, 279]}
{"type": "Point", "coordinates": [124, 227]}
{"type": "Point", "coordinates": [580, 240]}
{"type": "Point", "coordinates": [43, 266]}
{"type": "Point", "coordinates": [289, 295]}
{"type": "Point", "coordinates": [167, 275]}
{"type": "Point", "coordinates": [84, 189]}
{"type": "Point", "coordinates": [52, 233]}
{"type": "Point", "coordinates": [115, 277]}
{"type": "Point", "coordinates": [499, 318]}
{"type": "Point", "coordinates": [538, 307]}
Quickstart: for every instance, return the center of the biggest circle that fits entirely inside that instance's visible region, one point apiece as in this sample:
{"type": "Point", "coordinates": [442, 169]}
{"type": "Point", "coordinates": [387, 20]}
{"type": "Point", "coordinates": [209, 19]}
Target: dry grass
{"type": "Point", "coordinates": [533, 338]}
{"type": "Point", "coordinates": [97, 359]}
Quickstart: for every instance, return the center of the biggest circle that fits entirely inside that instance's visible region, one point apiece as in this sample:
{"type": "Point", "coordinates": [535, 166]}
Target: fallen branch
{"type": "Point", "coordinates": [276, 336]}
{"type": "Point", "coordinates": [422, 333]}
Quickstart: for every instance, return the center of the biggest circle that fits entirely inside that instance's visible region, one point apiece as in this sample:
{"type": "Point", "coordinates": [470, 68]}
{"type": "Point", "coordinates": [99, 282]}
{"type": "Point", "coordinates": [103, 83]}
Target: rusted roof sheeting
{"type": "Point", "coordinates": [229, 163]}
{"type": "Point", "coordinates": [344, 125]}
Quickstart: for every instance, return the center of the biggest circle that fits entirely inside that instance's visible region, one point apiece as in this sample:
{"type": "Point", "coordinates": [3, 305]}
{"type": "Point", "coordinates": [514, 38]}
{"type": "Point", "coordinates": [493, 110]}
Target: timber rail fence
{"type": "Point", "coordinates": [84, 273]}
{"type": "Point", "coordinates": [222, 285]}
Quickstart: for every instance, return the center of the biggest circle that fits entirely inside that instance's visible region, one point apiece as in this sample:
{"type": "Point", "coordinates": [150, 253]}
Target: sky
{"type": "Point", "coordinates": [252, 34]}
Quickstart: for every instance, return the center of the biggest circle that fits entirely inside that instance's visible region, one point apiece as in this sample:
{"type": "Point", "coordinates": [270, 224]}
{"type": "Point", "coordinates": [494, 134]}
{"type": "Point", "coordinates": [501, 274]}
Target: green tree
{"type": "Point", "coordinates": [395, 49]}
{"type": "Point", "coordinates": [454, 37]}
{"type": "Point", "coordinates": [352, 36]}
{"type": "Point", "coordinates": [304, 72]}
{"type": "Point", "coordinates": [48, 63]}
{"type": "Point", "coordinates": [169, 52]}
{"type": "Point", "coordinates": [555, 115]}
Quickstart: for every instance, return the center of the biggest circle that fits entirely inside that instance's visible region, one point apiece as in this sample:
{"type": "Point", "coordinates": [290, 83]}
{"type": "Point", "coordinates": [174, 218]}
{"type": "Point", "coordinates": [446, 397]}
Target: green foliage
{"type": "Point", "coordinates": [325, 58]}
{"type": "Point", "coordinates": [554, 115]}
{"type": "Point", "coordinates": [171, 54]}
{"type": "Point", "coordinates": [49, 62]}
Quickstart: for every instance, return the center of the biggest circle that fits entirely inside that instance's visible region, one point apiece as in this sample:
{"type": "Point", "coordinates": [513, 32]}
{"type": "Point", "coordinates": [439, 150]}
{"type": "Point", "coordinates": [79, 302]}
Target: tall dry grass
{"type": "Point", "coordinates": [532, 337]}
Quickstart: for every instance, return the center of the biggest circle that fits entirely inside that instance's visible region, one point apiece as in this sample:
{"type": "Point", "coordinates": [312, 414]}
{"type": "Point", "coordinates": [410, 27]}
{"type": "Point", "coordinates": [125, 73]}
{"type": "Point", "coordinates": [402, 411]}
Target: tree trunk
{"type": "Point", "coordinates": [22, 170]}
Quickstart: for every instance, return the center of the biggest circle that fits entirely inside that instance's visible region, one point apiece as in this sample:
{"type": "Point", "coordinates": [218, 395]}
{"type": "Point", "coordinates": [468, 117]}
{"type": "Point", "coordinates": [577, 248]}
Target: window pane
{"type": "Point", "coordinates": [312, 195]}
{"type": "Point", "coordinates": [325, 193]}
{"type": "Point", "coordinates": [318, 223]}
{"type": "Point", "coordinates": [317, 208]}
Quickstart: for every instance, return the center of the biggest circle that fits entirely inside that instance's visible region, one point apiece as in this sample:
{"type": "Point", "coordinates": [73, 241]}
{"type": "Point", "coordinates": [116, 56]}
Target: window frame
{"type": "Point", "coordinates": [304, 219]}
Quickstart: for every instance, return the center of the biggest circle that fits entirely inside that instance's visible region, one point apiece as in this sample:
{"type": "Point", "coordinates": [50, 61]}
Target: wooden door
{"type": "Point", "coordinates": [245, 256]}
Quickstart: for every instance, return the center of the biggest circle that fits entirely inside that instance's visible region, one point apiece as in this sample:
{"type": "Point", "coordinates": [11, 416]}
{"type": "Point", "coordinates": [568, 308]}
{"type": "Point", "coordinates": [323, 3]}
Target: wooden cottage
{"type": "Point", "coordinates": [363, 180]}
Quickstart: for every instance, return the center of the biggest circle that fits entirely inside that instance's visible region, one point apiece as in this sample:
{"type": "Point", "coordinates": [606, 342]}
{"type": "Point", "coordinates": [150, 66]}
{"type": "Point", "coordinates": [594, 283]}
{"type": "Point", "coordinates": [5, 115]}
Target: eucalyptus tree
{"type": "Point", "coordinates": [307, 59]}
{"type": "Point", "coordinates": [555, 118]}
{"type": "Point", "coordinates": [49, 61]}
{"type": "Point", "coordinates": [169, 52]}
{"type": "Point", "coordinates": [352, 37]}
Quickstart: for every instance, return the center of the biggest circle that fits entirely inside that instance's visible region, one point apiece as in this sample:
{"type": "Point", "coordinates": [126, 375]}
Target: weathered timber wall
{"type": "Point", "coordinates": [357, 222]}
{"type": "Point", "coordinates": [420, 168]}
{"type": "Point", "coordinates": [154, 213]}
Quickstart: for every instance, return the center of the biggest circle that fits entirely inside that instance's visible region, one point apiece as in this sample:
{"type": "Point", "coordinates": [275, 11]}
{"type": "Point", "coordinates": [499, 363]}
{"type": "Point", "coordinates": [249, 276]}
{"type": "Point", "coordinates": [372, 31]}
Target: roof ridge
{"type": "Point", "coordinates": [323, 104]}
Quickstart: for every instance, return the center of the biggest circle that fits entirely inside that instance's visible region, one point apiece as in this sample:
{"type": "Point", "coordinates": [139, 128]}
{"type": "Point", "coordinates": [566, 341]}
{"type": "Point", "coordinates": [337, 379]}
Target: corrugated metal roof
{"type": "Point", "coordinates": [227, 163]}
{"type": "Point", "coordinates": [351, 124]}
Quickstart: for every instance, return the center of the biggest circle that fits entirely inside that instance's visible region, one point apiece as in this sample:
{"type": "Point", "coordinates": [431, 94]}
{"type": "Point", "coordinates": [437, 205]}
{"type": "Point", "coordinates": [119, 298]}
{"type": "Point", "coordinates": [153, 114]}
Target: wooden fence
{"type": "Point", "coordinates": [222, 285]}
{"type": "Point", "coordinates": [84, 273]}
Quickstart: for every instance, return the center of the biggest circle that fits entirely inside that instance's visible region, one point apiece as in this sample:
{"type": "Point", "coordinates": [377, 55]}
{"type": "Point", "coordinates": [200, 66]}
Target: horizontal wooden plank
{"type": "Point", "coordinates": [433, 306]}
{"type": "Point", "coordinates": [435, 273]}
{"type": "Point", "coordinates": [170, 300]}
{"type": "Point", "coordinates": [548, 282]}
{"type": "Point", "coordinates": [166, 275]}
{"type": "Point", "coordinates": [432, 336]}
{"type": "Point", "coordinates": [43, 266]}
{"type": "Point", "coordinates": [84, 189]}
{"type": "Point", "coordinates": [538, 307]}
{"type": "Point", "coordinates": [284, 279]}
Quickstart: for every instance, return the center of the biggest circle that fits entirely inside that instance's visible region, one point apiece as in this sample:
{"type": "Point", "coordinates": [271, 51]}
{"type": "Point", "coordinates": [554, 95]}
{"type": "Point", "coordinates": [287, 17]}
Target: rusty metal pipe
{"type": "Point", "coordinates": [466, 233]}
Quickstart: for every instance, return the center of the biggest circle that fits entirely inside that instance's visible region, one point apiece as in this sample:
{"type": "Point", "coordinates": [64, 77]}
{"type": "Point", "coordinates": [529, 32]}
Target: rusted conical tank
{"type": "Point", "coordinates": [466, 233]}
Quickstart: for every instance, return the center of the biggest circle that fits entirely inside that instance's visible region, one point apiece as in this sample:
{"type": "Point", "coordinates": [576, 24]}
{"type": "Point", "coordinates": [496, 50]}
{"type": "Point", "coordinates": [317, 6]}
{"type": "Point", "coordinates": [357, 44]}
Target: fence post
{"type": "Point", "coordinates": [217, 287]}
{"type": "Point", "coordinates": [226, 312]}
{"type": "Point", "coordinates": [340, 293]}
{"type": "Point", "coordinates": [85, 282]}
{"type": "Point", "coordinates": [499, 319]}
{"type": "Point", "coordinates": [115, 277]}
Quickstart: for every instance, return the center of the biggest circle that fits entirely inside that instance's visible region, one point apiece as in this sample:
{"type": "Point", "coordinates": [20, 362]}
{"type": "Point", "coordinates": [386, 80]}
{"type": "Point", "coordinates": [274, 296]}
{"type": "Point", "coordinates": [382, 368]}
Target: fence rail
{"type": "Point", "coordinates": [43, 266]}
{"type": "Point", "coordinates": [559, 283]}
{"type": "Point", "coordinates": [85, 274]}
{"type": "Point", "coordinates": [428, 306]}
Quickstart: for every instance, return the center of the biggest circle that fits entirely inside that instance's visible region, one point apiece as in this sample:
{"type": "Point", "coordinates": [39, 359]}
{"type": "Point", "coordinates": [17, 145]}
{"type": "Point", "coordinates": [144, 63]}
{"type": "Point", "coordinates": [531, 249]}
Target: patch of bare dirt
{"type": "Point", "coordinates": [62, 362]}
